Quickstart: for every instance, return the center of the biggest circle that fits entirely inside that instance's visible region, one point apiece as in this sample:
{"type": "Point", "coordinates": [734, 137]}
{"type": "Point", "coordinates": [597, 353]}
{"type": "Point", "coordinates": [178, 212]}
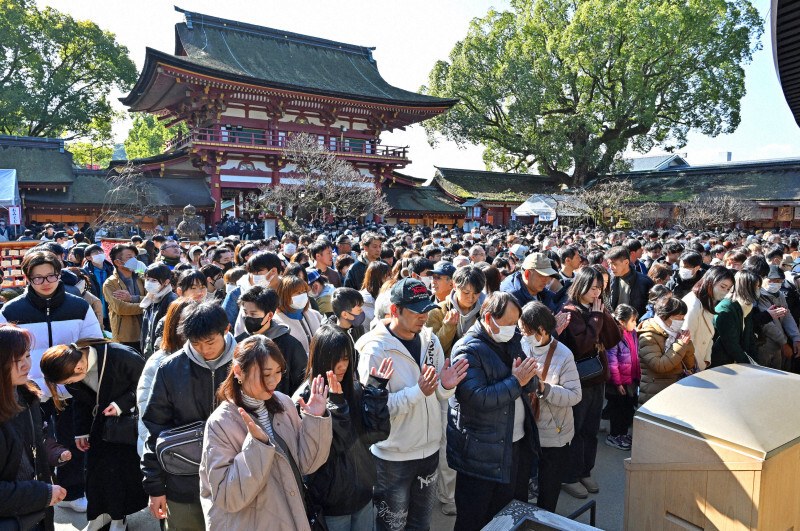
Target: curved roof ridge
{"type": "Point", "coordinates": [193, 17]}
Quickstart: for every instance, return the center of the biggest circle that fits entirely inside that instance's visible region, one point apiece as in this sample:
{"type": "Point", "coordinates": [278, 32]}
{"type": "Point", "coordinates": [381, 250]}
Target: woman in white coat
{"type": "Point", "coordinates": [699, 320]}
{"type": "Point", "coordinates": [559, 389]}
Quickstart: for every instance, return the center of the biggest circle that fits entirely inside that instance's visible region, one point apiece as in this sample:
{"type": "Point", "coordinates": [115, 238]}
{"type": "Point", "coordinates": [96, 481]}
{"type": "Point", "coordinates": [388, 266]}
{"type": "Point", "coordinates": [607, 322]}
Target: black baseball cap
{"type": "Point", "coordinates": [444, 268]}
{"type": "Point", "coordinates": [412, 294]}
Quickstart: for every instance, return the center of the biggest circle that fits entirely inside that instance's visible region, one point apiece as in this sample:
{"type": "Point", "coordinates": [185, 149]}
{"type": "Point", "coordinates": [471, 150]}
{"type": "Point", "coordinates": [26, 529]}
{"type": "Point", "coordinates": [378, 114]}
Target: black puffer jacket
{"type": "Point", "coordinates": [19, 498]}
{"type": "Point", "coordinates": [480, 427]}
{"type": "Point", "coordinates": [343, 485]}
{"type": "Point", "coordinates": [183, 392]}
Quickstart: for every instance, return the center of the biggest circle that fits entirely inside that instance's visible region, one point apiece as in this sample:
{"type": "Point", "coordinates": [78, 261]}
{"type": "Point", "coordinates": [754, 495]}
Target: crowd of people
{"type": "Point", "coordinates": [346, 376]}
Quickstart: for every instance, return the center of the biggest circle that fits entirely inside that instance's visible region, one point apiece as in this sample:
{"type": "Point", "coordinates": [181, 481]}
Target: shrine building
{"type": "Point", "coordinates": [242, 89]}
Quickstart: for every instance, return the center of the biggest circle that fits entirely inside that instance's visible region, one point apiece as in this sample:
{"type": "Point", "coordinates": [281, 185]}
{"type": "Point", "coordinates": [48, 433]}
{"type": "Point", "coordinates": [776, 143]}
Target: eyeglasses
{"type": "Point", "coordinates": [40, 280]}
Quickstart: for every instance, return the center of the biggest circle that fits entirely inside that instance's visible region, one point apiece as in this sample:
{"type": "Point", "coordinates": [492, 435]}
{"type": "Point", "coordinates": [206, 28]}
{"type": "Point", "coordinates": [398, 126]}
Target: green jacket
{"type": "Point", "coordinates": [731, 339]}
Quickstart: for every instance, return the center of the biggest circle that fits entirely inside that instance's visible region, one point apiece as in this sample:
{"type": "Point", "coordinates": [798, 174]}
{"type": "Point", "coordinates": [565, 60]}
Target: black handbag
{"type": "Point", "coordinates": [589, 368]}
{"type": "Point", "coordinates": [179, 449]}
{"type": "Point", "coordinates": [119, 429]}
{"type": "Point", "coordinates": [23, 522]}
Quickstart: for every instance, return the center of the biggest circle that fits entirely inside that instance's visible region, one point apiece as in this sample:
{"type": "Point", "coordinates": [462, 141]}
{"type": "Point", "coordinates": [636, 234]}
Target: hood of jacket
{"type": "Point", "coordinates": [276, 330]}
{"type": "Point", "coordinates": [227, 354]}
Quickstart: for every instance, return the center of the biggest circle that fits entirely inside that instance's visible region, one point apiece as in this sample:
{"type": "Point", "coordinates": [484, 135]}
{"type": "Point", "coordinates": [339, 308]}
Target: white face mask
{"type": "Point", "coordinates": [505, 334]}
{"type": "Point", "coordinates": [685, 274]}
{"type": "Point", "coordinates": [427, 281]}
{"type": "Point", "coordinates": [719, 294]}
{"type": "Point", "coordinates": [152, 286]}
{"type": "Point", "coordinates": [81, 285]}
{"type": "Point", "coordinates": [131, 264]}
{"type": "Point", "coordinates": [676, 325]}
{"type": "Point", "coordinates": [771, 287]}
{"type": "Point", "coordinates": [289, 248]}
{"type": "Point", "coordinates": [532, 342]}
{"type": "Point", "coordinates": [262, 280]}
{"type": "Point", "coordinates": [98, 259]}
{"type": "Point", "coordinates": [299, 301]}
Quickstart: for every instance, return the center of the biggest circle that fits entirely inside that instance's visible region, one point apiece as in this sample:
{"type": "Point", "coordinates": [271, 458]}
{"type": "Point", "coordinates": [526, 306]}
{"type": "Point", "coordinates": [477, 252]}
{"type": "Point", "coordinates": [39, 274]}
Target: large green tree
{"type": "Point", "coordinates": [56, 73]}
{"type": "Point", "coordinates": [569, 85]}
{"type": "Point", "coordinates": [147, 136]}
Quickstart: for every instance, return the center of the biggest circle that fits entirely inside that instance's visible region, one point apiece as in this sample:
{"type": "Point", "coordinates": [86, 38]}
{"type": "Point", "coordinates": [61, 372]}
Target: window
{"type": "Point", "coordinates": [242, 135]}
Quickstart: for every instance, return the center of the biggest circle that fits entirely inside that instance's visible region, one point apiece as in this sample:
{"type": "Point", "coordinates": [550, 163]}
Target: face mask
{"type": "Point", "coordinates": [227, 266]}
{"type": "Point", "coordinates": [505, 334]}
{"type": "Point", "coordinates": [229, 287]}
{"type": "Point", "coordinates": [772, 288]}
{"type": "Point", "coordinates": [289, 248]}
{"type": "Point", "coordinates": [253, 324]}
{"type": "Point", "coordinates": [151, 286]}
{"type": "Point", "coordinates": [437, 241]}
{"type": "Point", "coordinates": [218, 284]}
{"type": "Point", "coordinates": [358, 320]}
{"type": "Point", "coordinates": [685, 274]}
{"type": "Point", "coordinates": [532, 342]}
{"type": "Point", "coordinates": [131, 264]}
{"type": "Point", "coordinates": [676, 325]}
{"type": "Point", "coordinates": [719, 294]}
{"type": "Point", "coordinates": [447, 240]}
{"type": "Point", "coordinates": [427, 281]}
{"type": "Point", "coordinates": [98, 259]}
{"type": "Point", "coordinates": [81, 285]}
{"type": "Point", "coordinates": [299, 301]}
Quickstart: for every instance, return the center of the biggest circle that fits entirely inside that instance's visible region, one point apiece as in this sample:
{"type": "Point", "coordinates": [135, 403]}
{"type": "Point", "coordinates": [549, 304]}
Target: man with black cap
{"type": "Point", "coordinates": [423, 381]}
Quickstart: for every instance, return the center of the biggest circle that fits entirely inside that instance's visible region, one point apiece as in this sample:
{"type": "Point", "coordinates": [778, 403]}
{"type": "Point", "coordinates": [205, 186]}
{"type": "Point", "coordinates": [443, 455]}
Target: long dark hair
{"type": "Point", "coordinates": [329, 346]}
{"type": "Point", "coordinates": [704, 289]}
{"type": "Point", "coordinates": [584, 279]}
{"type": "Point", "coordinates": [58, 364]}
{"type": "Point", "coordinates": [16, 343]}
{"type": "Point", "coordinates": [255, 350]}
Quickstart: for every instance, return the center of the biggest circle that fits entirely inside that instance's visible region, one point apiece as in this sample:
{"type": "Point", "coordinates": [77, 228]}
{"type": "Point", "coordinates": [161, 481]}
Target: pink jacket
{"type": "Point", "coordinates": [623, 360]}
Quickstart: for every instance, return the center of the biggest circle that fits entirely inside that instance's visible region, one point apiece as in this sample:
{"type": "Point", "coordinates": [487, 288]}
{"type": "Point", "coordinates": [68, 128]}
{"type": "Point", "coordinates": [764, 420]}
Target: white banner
{"type": "Point", "coordinates": [14, 215]}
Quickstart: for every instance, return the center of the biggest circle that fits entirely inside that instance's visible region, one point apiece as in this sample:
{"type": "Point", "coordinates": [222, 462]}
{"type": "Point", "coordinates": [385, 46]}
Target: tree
{"type": "Point", "coordinates": [56, 73]}
{"type": "Point", "coordinates": [571, 84]}
{"type": "Point", "coordinates": [148, 136]}
{"type": "Point", "coordinates": [88, 154]}
{"type": "Point", "coordinates": [714, 211]}
{"type": "Point", "coordinates": [606, 202]}
{"type": "Point", "coordinates": [130, 199]}
{"type": "Point", "coordinates": [324, 185]}
{"type": "Point", "coordinates": [645, 215]}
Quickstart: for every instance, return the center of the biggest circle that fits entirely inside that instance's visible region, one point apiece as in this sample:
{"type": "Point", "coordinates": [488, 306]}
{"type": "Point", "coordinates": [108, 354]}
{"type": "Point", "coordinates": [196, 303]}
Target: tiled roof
{"type": "Point", "coordinates": [785, 31]}
{"type": "Point", "coordinates": [286, 59]}
{"type": "Point", "coordinates": [490, 185]}
{"type": "Point", "coordinates": [756, 181]}
{"type": "Point", "coordinates": [656, 162]}
{"type": "Point", "coordinates": [37, 160]}
{"type": "Point", "coordinates": [420, 199]}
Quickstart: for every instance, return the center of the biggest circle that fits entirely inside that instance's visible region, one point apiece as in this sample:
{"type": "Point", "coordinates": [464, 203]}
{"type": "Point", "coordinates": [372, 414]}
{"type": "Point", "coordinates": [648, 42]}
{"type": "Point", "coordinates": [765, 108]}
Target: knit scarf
{"type": "Point", "coordinates": [466, 320]}
{"type": "Point", "coordinates": [297, 315]}
{"type": "Point", "coordinates": [172, 262]}
{"type": "Point", "coordinates": [671, 334]}
{"type": "Point", "coordinates": [151, 298]}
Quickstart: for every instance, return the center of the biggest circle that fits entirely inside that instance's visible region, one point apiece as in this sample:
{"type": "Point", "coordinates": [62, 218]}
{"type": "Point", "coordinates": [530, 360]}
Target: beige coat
{"type": "Point", "coordinates": [661, 367]}
{"type": "Point", "coordinates": [246, 484]}
{"type": "Point", "coordinates": [302, 330]}
{"type": "Point", "coordinates": [123, 316]}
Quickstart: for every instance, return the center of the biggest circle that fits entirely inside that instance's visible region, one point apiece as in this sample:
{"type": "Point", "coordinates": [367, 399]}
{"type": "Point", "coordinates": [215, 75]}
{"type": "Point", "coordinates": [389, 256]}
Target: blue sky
{"type": "Point", "coordinates": [410, 36]}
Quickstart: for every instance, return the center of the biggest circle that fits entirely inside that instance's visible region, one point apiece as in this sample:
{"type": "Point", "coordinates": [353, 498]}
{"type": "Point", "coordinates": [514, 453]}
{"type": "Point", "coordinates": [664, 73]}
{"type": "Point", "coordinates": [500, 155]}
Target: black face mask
{"type": "Point", "coordinates": [253, 324]}
{"type": "Point", "coordinates": [227, 266]}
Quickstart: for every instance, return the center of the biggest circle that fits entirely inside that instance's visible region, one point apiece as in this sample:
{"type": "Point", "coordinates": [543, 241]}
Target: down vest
{"type": "Point", "coordinates": [661, 366]}
{"type": "Point", "coordinates": [480, 426]}
{"type": "Point", "coordinates": [60, 320]}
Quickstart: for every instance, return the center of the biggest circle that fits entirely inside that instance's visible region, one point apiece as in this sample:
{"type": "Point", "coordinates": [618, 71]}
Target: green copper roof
{"type": "Point", "coordinates": [39, 161]}
{"type": "Point", "coordinates": [490, 185]}
{"type": "Point", "coordinates": [423, 199]}
{"type": "Point", "coordinates": [288, 60]}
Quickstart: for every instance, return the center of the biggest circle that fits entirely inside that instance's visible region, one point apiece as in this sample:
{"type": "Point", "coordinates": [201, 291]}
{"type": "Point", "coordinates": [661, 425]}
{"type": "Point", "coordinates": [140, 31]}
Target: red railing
{"type": "Point", "coordinates": [277, 140]}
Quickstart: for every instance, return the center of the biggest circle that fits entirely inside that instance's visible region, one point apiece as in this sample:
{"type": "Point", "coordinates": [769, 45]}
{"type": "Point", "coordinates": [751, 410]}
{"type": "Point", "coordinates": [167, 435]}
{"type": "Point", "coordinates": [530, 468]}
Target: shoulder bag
{"type": "Point", "coordinates": [179, 449]}
{"type": "Point", "coordinates": [119, 429]}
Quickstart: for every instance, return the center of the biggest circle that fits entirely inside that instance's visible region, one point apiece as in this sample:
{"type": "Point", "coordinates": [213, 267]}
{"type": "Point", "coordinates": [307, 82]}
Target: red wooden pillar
{"type": "Point", "coordinates": [216, 195]}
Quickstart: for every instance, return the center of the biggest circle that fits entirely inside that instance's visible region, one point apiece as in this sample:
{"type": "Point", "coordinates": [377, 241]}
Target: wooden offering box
{"type": "Point", "coordinates": [717, 450]}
